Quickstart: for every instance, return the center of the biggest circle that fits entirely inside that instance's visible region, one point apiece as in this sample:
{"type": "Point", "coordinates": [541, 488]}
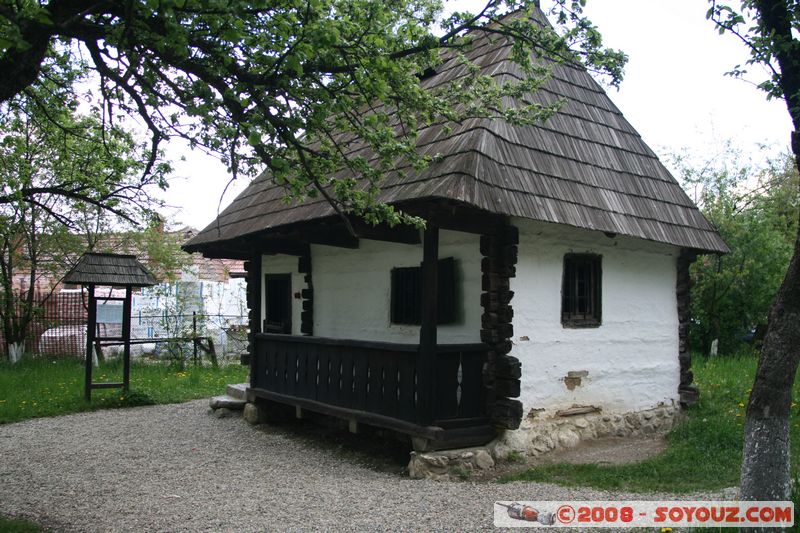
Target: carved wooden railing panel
{"type": "Point", "coordinates": [374, 377]}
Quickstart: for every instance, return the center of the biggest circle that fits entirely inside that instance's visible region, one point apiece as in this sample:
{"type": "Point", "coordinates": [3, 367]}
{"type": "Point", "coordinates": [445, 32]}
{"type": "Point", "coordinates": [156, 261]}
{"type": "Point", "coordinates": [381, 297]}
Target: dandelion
{"type": "Point", "coordinates": [666, 529]}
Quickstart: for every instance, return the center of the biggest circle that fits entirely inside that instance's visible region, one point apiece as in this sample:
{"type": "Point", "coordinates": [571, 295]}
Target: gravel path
{"type": "Point", "coordinates": [175, 468]}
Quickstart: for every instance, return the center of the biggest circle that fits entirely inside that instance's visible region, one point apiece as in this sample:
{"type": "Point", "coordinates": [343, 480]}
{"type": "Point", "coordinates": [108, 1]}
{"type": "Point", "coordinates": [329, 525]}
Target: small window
{"type": "Point", "coordinates": [406, 304]}
{"type": "Point", "coordinates": [580, 292]}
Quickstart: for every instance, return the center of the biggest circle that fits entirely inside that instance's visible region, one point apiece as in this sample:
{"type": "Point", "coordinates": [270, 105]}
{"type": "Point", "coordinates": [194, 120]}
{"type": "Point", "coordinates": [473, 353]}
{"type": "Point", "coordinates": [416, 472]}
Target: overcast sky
{"type": "Point", "coordinates": [674, 93]}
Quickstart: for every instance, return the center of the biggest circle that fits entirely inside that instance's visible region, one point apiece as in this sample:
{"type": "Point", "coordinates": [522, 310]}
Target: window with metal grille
{"type": "Point", "coordinates": [406, 304]}
{"type": "Point", "coordinates": [580, 291]}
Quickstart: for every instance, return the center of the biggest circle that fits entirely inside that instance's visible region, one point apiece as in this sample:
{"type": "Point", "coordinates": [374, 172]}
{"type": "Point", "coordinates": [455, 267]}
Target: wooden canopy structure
{"type": "Point", "coordinates": [109, 270]}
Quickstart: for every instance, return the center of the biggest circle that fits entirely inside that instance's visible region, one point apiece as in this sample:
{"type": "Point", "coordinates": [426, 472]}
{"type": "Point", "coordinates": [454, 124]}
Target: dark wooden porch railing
{"type": "Point", "coordinates": [377, 378]}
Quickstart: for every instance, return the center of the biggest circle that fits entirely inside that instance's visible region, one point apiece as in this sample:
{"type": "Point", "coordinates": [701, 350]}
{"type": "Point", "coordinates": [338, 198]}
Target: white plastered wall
{"type": "Point", "coordinates": [352, 289]}
{"type": "Point", "coordinates": [631, 359]}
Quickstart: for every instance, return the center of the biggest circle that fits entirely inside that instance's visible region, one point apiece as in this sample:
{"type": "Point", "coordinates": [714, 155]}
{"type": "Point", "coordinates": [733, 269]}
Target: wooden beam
{"type": "Point", "coordinates": [426, 363]}
{"type": "Point", "coordinates": [366, 417]}
{"type": "Point", "coordinates": [401, 234]}
{"type": "Point", "coordinates": [337, 236]}
{"type": "Point", "coordinates": [270, 246]}
{"type": "Point", "coordinates": [459, 218]}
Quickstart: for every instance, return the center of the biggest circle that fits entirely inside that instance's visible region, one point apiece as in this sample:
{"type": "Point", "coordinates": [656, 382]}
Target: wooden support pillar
{"type": "Point", "coordinates": [687, 389]}
{"type": "Point", "coordinates": [91, 331]}
{"type": "Point", "coordinates": [502, 372]}
{"type": "Point", "coordinates": [426, 359]}
{"type": "Point", "coordinates": [254, 296]}
{"type": "Point", "coordinates": [126, 336]}
{"type": "Point", "coordinates": [307, 314]}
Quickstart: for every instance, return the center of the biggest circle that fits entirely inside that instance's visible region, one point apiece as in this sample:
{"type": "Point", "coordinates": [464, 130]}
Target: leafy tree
{"type": "Point", "coordinates": [59, 172]}
{"type": "Point", "coordinates": [284, 85]}
{"type": "Point", "coordinates": [157, 247]}
{"type": "Point", "coordinates": [769, 28]}
{"type": "Point", "coordinates": [733, 293]}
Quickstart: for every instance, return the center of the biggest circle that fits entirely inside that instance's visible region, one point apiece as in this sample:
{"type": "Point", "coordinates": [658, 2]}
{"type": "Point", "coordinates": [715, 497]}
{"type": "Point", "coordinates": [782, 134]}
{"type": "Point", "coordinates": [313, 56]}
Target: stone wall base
{"type": "Point", "coordinates": [541, 435]}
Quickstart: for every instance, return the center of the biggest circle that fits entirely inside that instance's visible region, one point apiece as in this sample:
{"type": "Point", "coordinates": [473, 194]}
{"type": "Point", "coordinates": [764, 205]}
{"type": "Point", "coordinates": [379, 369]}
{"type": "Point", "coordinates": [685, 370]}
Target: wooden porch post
{"type": "Point", "coordinates": [426, 359]}
{"type": "Point", "coordinates": [91, 331]}
{"type": "Point", "coordinates": [254, 281]}
{"type": "Point", "coordinates": [126, 335]}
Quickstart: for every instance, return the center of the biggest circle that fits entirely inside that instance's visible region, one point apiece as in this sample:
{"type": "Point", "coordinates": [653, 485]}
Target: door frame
{"type": "Point", "coordinates": [288, 325]}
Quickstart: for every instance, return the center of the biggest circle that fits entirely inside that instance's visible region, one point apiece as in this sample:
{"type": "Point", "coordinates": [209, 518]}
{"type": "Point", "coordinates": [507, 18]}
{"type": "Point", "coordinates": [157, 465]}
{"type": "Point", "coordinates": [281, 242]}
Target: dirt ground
{"type": "Point", "coordinates": [610, 451]}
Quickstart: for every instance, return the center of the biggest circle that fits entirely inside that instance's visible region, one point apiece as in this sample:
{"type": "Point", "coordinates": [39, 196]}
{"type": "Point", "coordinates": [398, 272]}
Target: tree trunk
{"type": "Point", "coordinates": [15, 351]}
{"type": "Point", "coordinates": [766, 471]}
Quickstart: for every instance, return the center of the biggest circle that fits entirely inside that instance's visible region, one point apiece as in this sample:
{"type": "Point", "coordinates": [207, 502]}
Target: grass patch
{"type": "Point", "coordinates": [703, 453]}
{"type": "Point", "coordinates": [37, 387]}
{"type": "Point", "coordinates": [18, 525]}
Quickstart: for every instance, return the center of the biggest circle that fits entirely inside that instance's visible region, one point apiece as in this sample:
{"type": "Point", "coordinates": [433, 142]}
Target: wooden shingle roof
{"type": "Point", "coordinates": [584, 167]}
{"type": "Point", "coordinates": [109, 270]}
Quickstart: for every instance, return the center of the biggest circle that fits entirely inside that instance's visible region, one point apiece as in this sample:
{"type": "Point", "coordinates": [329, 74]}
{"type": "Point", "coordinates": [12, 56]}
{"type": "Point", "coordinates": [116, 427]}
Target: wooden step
{"type": "Point", "coordinates": [227, 402]}
{"type": "Point", "coordinates": [237, 390]}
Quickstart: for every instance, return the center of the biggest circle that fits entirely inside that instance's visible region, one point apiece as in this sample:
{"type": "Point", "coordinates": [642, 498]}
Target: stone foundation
{"type": "Point", "coordinates": [449, 464]}
{"type": "Point", "coordinates": [542, 435]}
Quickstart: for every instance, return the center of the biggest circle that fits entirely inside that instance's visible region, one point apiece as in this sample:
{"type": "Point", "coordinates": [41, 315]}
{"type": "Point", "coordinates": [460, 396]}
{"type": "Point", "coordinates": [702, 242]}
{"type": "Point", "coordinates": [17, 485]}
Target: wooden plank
{"type": "Point", "coordinates": [361, 363]}
{"type": "Point", "coordinates": [323, 385]}
{"type": "Point", "coordinates": [472, 393]}
{"type": "Point", "coordinates": [334, 394]}
{"type": "Point", "coordinates": [312, 371]}
{"type": "Point", "coordinates": [291, 351]}
{"type": "Point", "coordinates": [429, 432]}
{"type": "Point", "coordinates": [260, 375]}
{"type": "Point", "coordinates": [347, 397]}
{"type": "Point", "coordinates": [120, 385]}
{"type": "Point", "coordinates": [373, 383]}
{"type": "Point", "coordinates": [447, 405]}
{"type": "Point", "coordinates": [298, 339]}
{"type": "Point", "coordinates": [407, 405]}
{"type": "Point", "coordinates": [281, 384]}
{"type": "Point", "coordinates": [390, 393]}
{"type": "Point", "coordinates": [301, 387]}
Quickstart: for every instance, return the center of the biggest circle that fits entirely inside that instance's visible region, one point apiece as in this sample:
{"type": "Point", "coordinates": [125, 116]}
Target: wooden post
{"type": "Point", "coordinates": [91, 327]}
{"type": "Point", "coordinates": [254, 296]}
{"type": "Point", "coordinates": [688, 393]}
{"type": "Point", "coordinates": [426, 359]}
{"type": "Point", "coordinates": [194, 337]}
{"type": "Point", "coordinates": [126, 337]}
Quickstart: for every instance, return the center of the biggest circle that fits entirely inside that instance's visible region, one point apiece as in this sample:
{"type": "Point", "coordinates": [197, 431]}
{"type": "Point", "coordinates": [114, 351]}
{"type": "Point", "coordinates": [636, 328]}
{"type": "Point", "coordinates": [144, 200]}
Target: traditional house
{"type": "Point", "coordinates": [548, 292]}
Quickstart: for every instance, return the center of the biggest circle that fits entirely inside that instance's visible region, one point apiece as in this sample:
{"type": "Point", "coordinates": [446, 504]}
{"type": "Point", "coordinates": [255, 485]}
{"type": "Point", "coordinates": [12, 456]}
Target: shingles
{"type": "Point", "coordinates": [109, 269]}
{"type": "Point", "coordinates": [585, 167]}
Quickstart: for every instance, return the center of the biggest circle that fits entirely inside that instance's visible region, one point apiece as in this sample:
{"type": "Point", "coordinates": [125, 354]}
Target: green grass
{"type": "Point", "coordinates": [37, 387]}
{"type": "Point", "coordinates": [703, 453]}
{"type": "Point", "coordinates": [16, 525]}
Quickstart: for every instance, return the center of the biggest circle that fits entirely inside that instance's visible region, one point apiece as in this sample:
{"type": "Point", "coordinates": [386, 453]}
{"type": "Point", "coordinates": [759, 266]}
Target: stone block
{"type": "Point", "coordinates": [483, 460]}
{"type": "Point", "coordinates": [254, 414]}
{"type": "Point", "coordinates": [568, 438]}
